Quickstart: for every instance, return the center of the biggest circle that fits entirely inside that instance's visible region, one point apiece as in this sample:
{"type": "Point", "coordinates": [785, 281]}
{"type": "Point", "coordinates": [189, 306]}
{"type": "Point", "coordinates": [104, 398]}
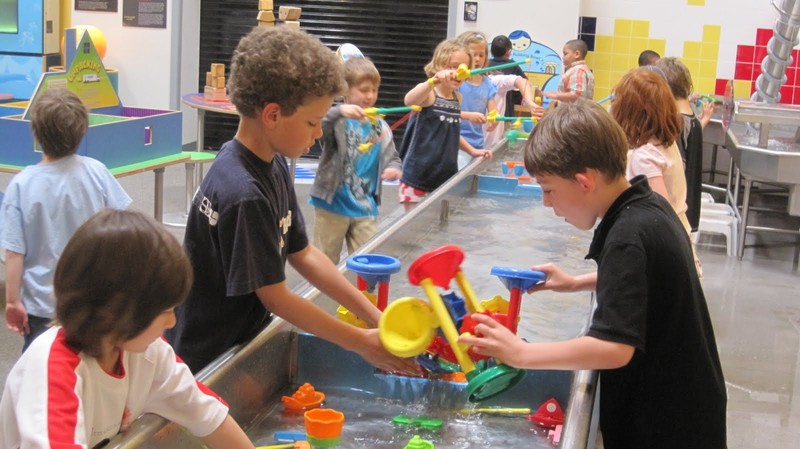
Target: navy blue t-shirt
{"type": "Point", "coordinates": [243, 224]}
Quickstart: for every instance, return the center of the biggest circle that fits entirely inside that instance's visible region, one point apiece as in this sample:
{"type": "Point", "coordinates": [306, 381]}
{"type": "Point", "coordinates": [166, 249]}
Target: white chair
{"type": "Point", "coordinates": [719, 218]}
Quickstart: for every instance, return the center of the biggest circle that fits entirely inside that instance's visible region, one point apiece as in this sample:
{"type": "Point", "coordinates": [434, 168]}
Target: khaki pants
{"type": "Point", "coordinates": [331, 229]}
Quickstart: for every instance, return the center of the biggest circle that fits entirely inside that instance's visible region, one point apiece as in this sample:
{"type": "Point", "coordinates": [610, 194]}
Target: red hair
{"type": "Point", "coordinates": [645, 109]}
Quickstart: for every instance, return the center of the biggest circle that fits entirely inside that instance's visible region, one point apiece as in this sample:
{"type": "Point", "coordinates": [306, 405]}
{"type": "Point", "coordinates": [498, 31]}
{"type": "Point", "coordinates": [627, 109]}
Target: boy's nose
{"type": "Point", "coordinates": [318, 131]}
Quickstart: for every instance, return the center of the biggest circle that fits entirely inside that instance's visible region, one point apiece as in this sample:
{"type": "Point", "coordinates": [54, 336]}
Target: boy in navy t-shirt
{"type": "Point", "coordinates": [245, 222]}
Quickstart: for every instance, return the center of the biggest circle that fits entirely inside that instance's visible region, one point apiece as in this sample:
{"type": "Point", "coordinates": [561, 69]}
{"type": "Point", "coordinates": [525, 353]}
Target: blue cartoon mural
{"type": "Point", "coordinates": [545, 67]}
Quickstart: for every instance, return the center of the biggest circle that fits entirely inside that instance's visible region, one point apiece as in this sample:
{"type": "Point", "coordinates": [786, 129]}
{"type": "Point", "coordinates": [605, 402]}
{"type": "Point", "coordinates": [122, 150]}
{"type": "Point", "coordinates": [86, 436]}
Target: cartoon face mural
{"type": "Point", "coordinates": [545, 67]}
{"type": "Point", "coordinates": [520, 40]}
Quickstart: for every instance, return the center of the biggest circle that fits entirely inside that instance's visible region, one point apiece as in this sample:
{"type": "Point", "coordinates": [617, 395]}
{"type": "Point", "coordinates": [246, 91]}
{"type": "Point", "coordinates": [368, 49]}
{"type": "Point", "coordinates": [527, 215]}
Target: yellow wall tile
{"type": "Point", "coordinates": [602, 61]}
{"type": "Point", "coordinates": [741, 88]}
{"type": "Point", "coordinates": [620, 62]}
{"type": "Point", "coordinates": [709, 51]}
{"type": "Point", "coordinates": [704, 85]}
{"type": "Point", "coordinates": [640, 28]}
{"type": "Point", "coordinates": [697, 2]}
{"type": "Point", "coordinates": [708, 69]}
{"type": "Point", "coordinates": [602, 44]}
{"type": "Point", "coordinates": [621, 45]}
{"type": "Point", "coordinates": [711, 33]}
{"type": "Point", "coordinates": [602, 79]}
{"type": "Point", "coordinates": [691, 50]}
{"type": "Point", "coordinates": [623, 27]}
{"type": "Point", "coordinates": [657, 45]}
{"type": "Point", "coordinates": [639, 44]}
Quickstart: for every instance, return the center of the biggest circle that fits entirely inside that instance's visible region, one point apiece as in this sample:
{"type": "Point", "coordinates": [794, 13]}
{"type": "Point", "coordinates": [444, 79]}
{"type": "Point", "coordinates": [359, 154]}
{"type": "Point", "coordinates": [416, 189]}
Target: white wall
{"type": "Point", "coordinates": [155, 65]}
{"type": "Point", "coordinates": [548, 22]}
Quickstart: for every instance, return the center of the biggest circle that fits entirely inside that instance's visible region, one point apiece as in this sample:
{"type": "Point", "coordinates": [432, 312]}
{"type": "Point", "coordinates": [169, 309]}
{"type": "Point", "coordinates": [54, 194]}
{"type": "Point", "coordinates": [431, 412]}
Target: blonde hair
{"type": "Point", "coordinates": [358, 70]}
{"type": "Point", "coordinates": [475, 37]}
{"type": "Point", "coordinates": [441, 56]}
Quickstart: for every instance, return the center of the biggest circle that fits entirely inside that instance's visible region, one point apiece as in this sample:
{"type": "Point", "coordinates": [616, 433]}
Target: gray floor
{"type": "Point", "coordinates": [754, 304]}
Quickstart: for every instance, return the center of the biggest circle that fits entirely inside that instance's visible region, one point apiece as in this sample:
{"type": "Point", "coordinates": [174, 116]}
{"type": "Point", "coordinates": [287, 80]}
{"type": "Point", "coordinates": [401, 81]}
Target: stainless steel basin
{"type": "Point", "coordinates": [253, 377]}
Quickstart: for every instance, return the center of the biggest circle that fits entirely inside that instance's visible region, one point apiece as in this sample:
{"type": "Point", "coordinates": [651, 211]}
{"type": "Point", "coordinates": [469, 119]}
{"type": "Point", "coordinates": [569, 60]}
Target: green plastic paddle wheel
{"type": "Point", "coordinates": [484, 383]}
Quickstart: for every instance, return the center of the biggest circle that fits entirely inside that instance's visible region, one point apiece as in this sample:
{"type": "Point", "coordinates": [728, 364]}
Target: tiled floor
{"type": "Point", "coordinates": [754, 304]}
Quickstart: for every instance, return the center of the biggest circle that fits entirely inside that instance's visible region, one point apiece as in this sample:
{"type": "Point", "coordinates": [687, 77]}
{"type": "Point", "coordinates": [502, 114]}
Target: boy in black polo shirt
{"type": "Point", "coordinates": [245, 222]}
{"type": "Point", "coordinates": [651, 335]}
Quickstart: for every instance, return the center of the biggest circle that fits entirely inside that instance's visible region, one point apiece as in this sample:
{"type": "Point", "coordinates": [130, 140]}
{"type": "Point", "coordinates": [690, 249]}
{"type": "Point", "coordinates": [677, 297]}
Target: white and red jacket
{"type": "Point", "coordinates": [56, 397]}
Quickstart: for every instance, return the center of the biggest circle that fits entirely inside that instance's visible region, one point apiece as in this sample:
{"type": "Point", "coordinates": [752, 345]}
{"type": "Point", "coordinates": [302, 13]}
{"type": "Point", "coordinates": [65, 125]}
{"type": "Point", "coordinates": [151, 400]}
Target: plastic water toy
{"type": "Point", "coordinates": [305, 398]}
{"type": "Point", "coordinates": [513, 135]}
{"type": "Point", "coordinates": [373, 114]}
{"type": "Point", "coordinates": [324, 427]}
{"type": "Point", "coordinates": [408, 325]}
{"type": "Point", "coordinates": [515, 169]}
{"type": "Point", "coordinates": [608, 98]}
{"type": "Point", "coordinates": [295, 445]}
{"type": "Point", "coordinates": [372, 270]}
{"type": "Point", "coordinates": [493, 117]}
{"type": "Point", "coordinates": [516, 281]}
{"type": "Point", "coordinates": [423, 422]}
{"type": "Point", "coordinates": [417, 442]}
{"type": "Point", "coordinates": [289, 436]}
{"type": "Point", "coordinates": [496, 411]}
{"type": "Point", "coordinates": [549, 414]}
{"type": "Point", "coordinates": [463, 72]}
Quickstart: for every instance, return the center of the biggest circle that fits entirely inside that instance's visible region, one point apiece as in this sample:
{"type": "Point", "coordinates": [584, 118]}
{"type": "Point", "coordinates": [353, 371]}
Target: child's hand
{"type": "Point", "coordinates": [391, 174]}
{"type": "Point", "coordinates": [709, 108]}
{"type": "Point", "coordinates": [474, 117]}
{"type": "Point", "coordinates": [537, 111]}
{"type": "Point", "coordinates": [353, 112]}
{"type": "Point", "coordinates": [482, 153]}
{"type": "Point", "coordinates": [374, 353]}
{"type": "Point", "coordinates": [17, 318]}
{"type": "Point", "coordinates": [494, 340]}
{"type": "Point", "coordinates": [556, 280]}
{"type": "Point", "coordinates": [442, 76]}
{"type": "Point", "coordinates": [491, 126]}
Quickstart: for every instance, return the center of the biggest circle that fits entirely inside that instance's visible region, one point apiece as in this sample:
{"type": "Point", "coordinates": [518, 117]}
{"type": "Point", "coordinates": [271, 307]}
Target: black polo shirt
{"type": "Point", "coordinates": [672, 392]}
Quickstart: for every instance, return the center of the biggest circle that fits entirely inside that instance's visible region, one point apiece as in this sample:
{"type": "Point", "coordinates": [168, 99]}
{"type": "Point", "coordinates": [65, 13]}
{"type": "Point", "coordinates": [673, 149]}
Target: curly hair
{"type": "Point", "coordinates": [442, 54]}
{"type": "Point", "coordinates": [59, 121]}
{"type": "Point", "coordinates": [645, 109]}
{"type": "Point", "coordinates": [677, 75]}
{"type": "Point", "coordinates": [118, 272]}
{"type": "Point", "coordinates": [574, 137]}
{"type": "Point", "coordinates": [284, 66]}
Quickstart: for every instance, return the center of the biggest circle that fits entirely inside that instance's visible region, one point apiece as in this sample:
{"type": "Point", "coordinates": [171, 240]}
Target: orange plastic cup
{"type": "Point", "coordinates": [324, 423]}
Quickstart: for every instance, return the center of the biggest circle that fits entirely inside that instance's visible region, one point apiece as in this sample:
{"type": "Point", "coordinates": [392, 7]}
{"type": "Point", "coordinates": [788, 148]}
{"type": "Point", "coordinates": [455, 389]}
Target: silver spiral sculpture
{"type": "Point", "coordinates": [779, 52]}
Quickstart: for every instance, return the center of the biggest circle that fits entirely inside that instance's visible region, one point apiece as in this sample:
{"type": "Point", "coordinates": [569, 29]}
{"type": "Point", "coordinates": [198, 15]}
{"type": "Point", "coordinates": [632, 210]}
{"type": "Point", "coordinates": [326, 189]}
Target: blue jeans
{"type": "Point", "coordinates": [38, 325]}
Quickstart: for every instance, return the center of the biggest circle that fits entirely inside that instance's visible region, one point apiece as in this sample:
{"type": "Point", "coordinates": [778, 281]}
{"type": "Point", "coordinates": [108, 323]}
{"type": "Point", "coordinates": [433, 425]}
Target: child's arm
{"type": "Point", "coordinates": [16, 315]}
{"type": "Point", "coordinates": [559, 281]}
{"type": "Point", "coordinates": [529, 97]}
{"type": "Point", "coordinates": [473, 117]}
{"type": "Point", "coordinates": [709, 108]}
{"type": "Point", "coordinates": [497, 341]}
{"type": "Point", "coordinates": [314, 266]}
{"type": "Point", "coordinates": [467, 147]}
{"type": "Point", "coordinates": [228, 435]}
{"type": "Point", "coordinates": [422, 94]}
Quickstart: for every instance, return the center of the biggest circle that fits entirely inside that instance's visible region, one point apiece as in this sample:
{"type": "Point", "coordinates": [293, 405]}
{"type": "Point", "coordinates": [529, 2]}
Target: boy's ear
{"type": "Point", "coordinates": [587, 180]}
{"type": "Point", "coordinates": [270, 113]}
